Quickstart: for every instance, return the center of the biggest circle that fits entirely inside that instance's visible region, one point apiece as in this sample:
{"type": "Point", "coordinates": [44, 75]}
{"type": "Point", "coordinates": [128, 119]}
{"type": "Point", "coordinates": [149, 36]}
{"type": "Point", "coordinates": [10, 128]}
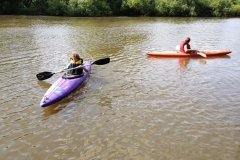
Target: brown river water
{"type": "Point", "coordinates": [136, 107]}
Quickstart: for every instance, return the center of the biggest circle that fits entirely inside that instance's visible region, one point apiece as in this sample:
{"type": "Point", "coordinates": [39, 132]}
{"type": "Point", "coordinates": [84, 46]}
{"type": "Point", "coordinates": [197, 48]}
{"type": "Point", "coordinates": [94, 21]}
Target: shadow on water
{"type": "Point", "coordinates": [56, 107]}
{"type": "Point", "coordinates": [183, 62]}
{"type": "Point", "coordinates": [44, 84]}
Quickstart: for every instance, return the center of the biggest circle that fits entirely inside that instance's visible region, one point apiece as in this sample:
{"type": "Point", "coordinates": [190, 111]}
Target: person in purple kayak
{"type": "Point", "coordinates": [75, 62]}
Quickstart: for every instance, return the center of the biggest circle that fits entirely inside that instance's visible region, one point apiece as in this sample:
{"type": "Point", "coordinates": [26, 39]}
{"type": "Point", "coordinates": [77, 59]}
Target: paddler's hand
{"type": "Point", "coordinates": [63, 70]}
{"type": "Point", "coordinates": [82, 67]}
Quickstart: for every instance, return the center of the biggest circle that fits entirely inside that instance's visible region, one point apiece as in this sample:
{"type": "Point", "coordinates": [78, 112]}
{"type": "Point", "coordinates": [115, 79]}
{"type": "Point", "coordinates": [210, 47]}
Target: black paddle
{"type": "Point", "coordinates": [45, 75]}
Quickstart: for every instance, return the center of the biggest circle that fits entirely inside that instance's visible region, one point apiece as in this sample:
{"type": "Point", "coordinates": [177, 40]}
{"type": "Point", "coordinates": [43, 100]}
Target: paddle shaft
{"type": "Point", "coordinates": [46, 75]}
{"type": "Point", "coordinates": [97, 62]}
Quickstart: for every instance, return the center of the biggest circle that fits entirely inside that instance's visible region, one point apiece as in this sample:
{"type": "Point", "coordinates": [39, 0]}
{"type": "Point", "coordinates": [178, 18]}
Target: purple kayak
{"type": "Point", "coordinates": [63, 87]}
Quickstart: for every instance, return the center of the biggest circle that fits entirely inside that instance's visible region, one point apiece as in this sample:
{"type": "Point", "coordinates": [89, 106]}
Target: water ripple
{"type": "Point", "coordinates": [135, 107]}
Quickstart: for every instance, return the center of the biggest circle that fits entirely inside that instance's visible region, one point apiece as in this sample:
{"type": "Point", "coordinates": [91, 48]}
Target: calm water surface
{"type": "Point", "coordinates": [136, 107]}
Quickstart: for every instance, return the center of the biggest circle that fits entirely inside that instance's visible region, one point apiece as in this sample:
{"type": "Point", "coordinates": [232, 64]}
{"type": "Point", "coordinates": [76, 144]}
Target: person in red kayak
{"type": "Point", "coordinates": [75, 61]}
{"type": "Point", "coordinates": [185, 48]}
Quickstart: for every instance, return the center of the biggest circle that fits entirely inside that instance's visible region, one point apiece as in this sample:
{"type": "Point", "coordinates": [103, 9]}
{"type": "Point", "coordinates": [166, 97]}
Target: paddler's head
{"type": "Point", "coordinates": [75, 57]}
{"type": "Point", "coordinates": [187, 40]}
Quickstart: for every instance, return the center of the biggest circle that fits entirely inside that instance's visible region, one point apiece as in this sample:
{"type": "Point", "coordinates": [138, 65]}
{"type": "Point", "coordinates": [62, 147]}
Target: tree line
{"type": "Point", "coordinates": [98, 8]}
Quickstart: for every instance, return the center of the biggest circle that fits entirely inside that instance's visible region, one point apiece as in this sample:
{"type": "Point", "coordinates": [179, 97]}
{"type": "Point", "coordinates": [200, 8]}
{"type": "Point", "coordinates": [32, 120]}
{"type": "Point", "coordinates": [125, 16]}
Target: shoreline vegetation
{"type": "Point", "coordinates": [100, 8]}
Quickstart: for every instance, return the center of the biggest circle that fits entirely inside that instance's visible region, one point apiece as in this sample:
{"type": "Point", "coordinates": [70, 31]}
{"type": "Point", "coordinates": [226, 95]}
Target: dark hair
{"type": "Point", "coordinates": [187, 39]}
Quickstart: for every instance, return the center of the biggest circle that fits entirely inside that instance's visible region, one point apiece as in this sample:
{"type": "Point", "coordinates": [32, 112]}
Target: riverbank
{"type": "Point", "coordinates": [92, 8]}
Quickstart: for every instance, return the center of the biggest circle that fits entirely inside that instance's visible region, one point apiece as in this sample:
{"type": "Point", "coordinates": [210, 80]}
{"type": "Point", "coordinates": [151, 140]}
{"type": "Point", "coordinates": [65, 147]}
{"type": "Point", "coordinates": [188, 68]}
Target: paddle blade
{"type": "Point", "coordinates": [202, 54]}
{"type": "Point", "coordinates": [102, 61]}
{"type": "Point", "coordinates": [44, 75]}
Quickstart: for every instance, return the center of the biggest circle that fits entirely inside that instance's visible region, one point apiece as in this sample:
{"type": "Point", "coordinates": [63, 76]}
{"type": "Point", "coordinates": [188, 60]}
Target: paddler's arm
{"type": "Point", "coordinates": [189, 50]}
{"type": "Point", "coordinates": [186, 49]}
{"type": "Point", "coordinates": [64, 69]}
{"type": "Point", "coordinates": [83, 67]}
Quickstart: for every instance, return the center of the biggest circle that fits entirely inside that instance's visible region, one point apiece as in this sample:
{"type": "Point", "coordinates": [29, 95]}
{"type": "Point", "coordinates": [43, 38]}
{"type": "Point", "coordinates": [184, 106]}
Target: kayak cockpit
{"type": "Point", "coordinates": [71, 76]}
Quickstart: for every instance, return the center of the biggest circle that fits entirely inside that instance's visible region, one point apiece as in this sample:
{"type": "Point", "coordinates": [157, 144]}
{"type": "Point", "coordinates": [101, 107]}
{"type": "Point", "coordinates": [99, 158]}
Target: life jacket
{"type": "Point", "coordinates": [73, 64]}
{"type": "Point", "coordinates": [182, 44]}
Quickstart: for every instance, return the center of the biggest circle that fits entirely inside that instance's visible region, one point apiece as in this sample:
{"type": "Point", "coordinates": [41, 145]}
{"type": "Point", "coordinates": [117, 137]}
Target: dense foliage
{"type": "Point", "coordinates": [184, 8]}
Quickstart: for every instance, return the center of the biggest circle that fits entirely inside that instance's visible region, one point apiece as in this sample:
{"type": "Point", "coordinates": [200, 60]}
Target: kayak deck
{"type": "Point", "coordinates": [181, 54]}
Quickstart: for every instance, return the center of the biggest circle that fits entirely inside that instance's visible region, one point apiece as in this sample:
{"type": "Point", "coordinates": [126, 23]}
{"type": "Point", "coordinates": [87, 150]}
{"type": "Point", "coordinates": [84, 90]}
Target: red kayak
{"type": "Point", "coordinates": [180, 54]}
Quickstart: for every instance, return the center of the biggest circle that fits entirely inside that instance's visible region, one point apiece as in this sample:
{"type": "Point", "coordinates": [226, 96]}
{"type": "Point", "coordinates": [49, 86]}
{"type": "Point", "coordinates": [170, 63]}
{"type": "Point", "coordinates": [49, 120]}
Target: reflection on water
{"type": "Point", "coordinates": [55, 108]}
{"type": "Point", "coordinates": [183, 62]}
{"type": "Point", "coordinates": [135, 107]}
{"type": "Point", "coordinates": [44, 84]}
